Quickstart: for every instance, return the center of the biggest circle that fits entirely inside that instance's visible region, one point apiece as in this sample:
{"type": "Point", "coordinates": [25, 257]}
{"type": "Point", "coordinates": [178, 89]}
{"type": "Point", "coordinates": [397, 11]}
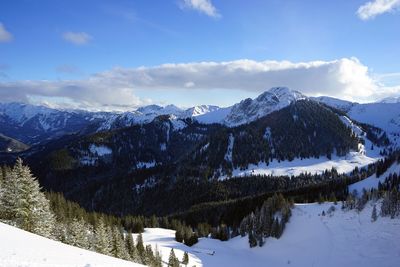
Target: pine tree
{"type": "Point", "coordinates": [172, 260]}
{"type": "Point", "coordinates": [77, 234]}
{"type": "Point", "coordinates": [149, 256]}
{"type": "Point", "coordinates": [102, 238]}
{"type": "Point", "coordinates": [132, 251]}
{"type": "Point", "coordinates": [118, 245]}
{"type": "Point", "coordinates": [140, 246]}
{"type": "Point", "coordinates": [157, 258]}
{"type": "Point", "coordinates": [23, 204]}
{"type": "Point", "coordinates": [374, 215]}
{"type": "Point", "coordinates": [179, 234]}
{"type": "Point", "coordinates": [185, 259]}
{"type": "Point", "coordinates": [252, 239]}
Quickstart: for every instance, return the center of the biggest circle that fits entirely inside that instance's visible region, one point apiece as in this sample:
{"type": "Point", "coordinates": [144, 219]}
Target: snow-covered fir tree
{"type": "Point", "coordinates": [172, 259]}
{"type": "Point", "coordinates": [102, 238]}
{"type": "Point", "coordinates": [22, 203]}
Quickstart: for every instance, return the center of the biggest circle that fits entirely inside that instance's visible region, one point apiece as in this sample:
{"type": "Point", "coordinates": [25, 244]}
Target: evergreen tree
{"type": "Point", "coordinates": [157, 258]}
{"type": "Point", "coordinates": [185, 259]}
{"type": "Point", "coordinates": [140, 247]}
{"type": "Point", "coordinates": [77, 234]}
{"type": "Point", "coordinates": [102, 238]}
{"type": "Point", "coordinates": [173, 260]}
{"type": "Point", "coordinates": [130, 246]}
{"type": "Point", "coordinates": [252, 239]}
{"type": "Point", "coordinates": [374, 215]}
{"type": "Point", "coordinates": [22, 203]}
{"type": "Point", "coordinates": [118, 245]}
{"type": "Point", "coordinates": [179, 234]}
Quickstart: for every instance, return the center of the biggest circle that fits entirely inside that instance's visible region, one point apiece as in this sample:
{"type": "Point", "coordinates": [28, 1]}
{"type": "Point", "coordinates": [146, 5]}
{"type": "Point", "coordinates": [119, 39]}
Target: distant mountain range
{"type": "Point", "coordinates": [35, 124]}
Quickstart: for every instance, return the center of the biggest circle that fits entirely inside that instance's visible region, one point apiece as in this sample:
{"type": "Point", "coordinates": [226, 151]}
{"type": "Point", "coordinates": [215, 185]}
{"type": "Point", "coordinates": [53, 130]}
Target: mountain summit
{"type": "Point", "coordinates": [251, 109]}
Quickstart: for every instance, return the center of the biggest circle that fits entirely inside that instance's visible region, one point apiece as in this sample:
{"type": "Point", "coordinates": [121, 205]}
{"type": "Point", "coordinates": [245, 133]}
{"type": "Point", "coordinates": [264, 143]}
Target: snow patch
{"type": "Point", "coordinates": [142, 165]}
{"type": "Point", "coordinates": [100, 150]}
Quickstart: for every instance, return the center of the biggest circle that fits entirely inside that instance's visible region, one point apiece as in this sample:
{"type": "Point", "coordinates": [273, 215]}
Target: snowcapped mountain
{"type": "Point", "coordinates": [140, 116]}
{"type": "Point", "coordinates": [391, 100]}
{"type": "Point", "coordinates": [32, 124]}
{"type": "Point", "coordinates": [149, 113]}
{"type": "Point", "coordinates": [249, 109]}
{"type": "Point", "coordinates": [199, 110]}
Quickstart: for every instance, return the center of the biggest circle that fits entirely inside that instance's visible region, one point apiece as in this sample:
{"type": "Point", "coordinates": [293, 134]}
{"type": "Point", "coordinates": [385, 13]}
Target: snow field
{"type": "Point", "coordinates": [19, 248]}
{"type": "Point", "coordinates": [342, 238]}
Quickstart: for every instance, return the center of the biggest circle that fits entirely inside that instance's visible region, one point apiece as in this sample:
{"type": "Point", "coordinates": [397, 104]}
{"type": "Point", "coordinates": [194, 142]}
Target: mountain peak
{"type": "Point", "coordinates": [251, 109]}
{"type": "Point", "coordinates": [284, 93]}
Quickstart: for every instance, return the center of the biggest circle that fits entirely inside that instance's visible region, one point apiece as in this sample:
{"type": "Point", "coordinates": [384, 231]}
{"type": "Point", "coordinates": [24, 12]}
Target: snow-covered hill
{"type": "Point", "coordinates": [341, 238]}
{"type": "Point", "coordinates": [336, 103]}
{"type": "Point", "coordinates": [384, 114]}
{"type": "Point", "coordinates": [19, 248]}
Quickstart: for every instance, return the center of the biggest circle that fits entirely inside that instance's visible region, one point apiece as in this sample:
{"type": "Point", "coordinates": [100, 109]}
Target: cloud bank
{"type": "Point", "coordinates": [377, 7]}
{"type": "Point", "coordinates": [345, 78]}
{"type": "Point", "coordinates": [202, 6]}
{"type": "Point", "coordinates": [77, 38]}
{"type": "Point", "coordinates": [5, 36]}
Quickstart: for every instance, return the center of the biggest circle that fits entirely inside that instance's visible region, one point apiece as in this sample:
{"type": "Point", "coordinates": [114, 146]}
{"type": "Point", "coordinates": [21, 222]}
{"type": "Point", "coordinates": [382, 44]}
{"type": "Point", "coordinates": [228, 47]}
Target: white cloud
{"type": "Point", "coordinates": [78, 38]}
{"type": "Point", "coordinates": [377, 7]}
{"type": "Point", "coordinates": [202, 6]}
{"type": "Point", "coordinates": [5, 36]}
{"type": "Point", "coordinates": [117, 88]}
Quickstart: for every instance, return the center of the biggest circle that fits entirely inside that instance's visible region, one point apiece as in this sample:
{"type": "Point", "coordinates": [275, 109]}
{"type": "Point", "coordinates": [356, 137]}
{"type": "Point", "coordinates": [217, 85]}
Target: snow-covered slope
{"type": "Point", "coordinates": [336, 103]}
{"type": "Point", "coordinates": [342, 238]}
{"type": "Point", "coordinates": [382, 115]}
{"type": "Point", "coordinates": [19, 248]}
{"type": "Point", "coordinates": [164, 241]}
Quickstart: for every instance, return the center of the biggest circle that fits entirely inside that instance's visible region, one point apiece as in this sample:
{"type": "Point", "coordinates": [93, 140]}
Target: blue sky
{"type": "Point", "coordinates": [70, 44]}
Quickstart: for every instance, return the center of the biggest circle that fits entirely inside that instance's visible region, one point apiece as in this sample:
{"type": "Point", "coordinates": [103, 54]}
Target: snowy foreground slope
{"type": "Point", "coordinates": [345, 238]}
{"type": "Point", "coordinates": [24, 249]}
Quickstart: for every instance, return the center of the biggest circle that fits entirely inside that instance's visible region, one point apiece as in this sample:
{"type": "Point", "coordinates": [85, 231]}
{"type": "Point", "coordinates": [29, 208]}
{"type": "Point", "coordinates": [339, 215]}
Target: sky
{"type": "Point", "coordinates": [122, 54]}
